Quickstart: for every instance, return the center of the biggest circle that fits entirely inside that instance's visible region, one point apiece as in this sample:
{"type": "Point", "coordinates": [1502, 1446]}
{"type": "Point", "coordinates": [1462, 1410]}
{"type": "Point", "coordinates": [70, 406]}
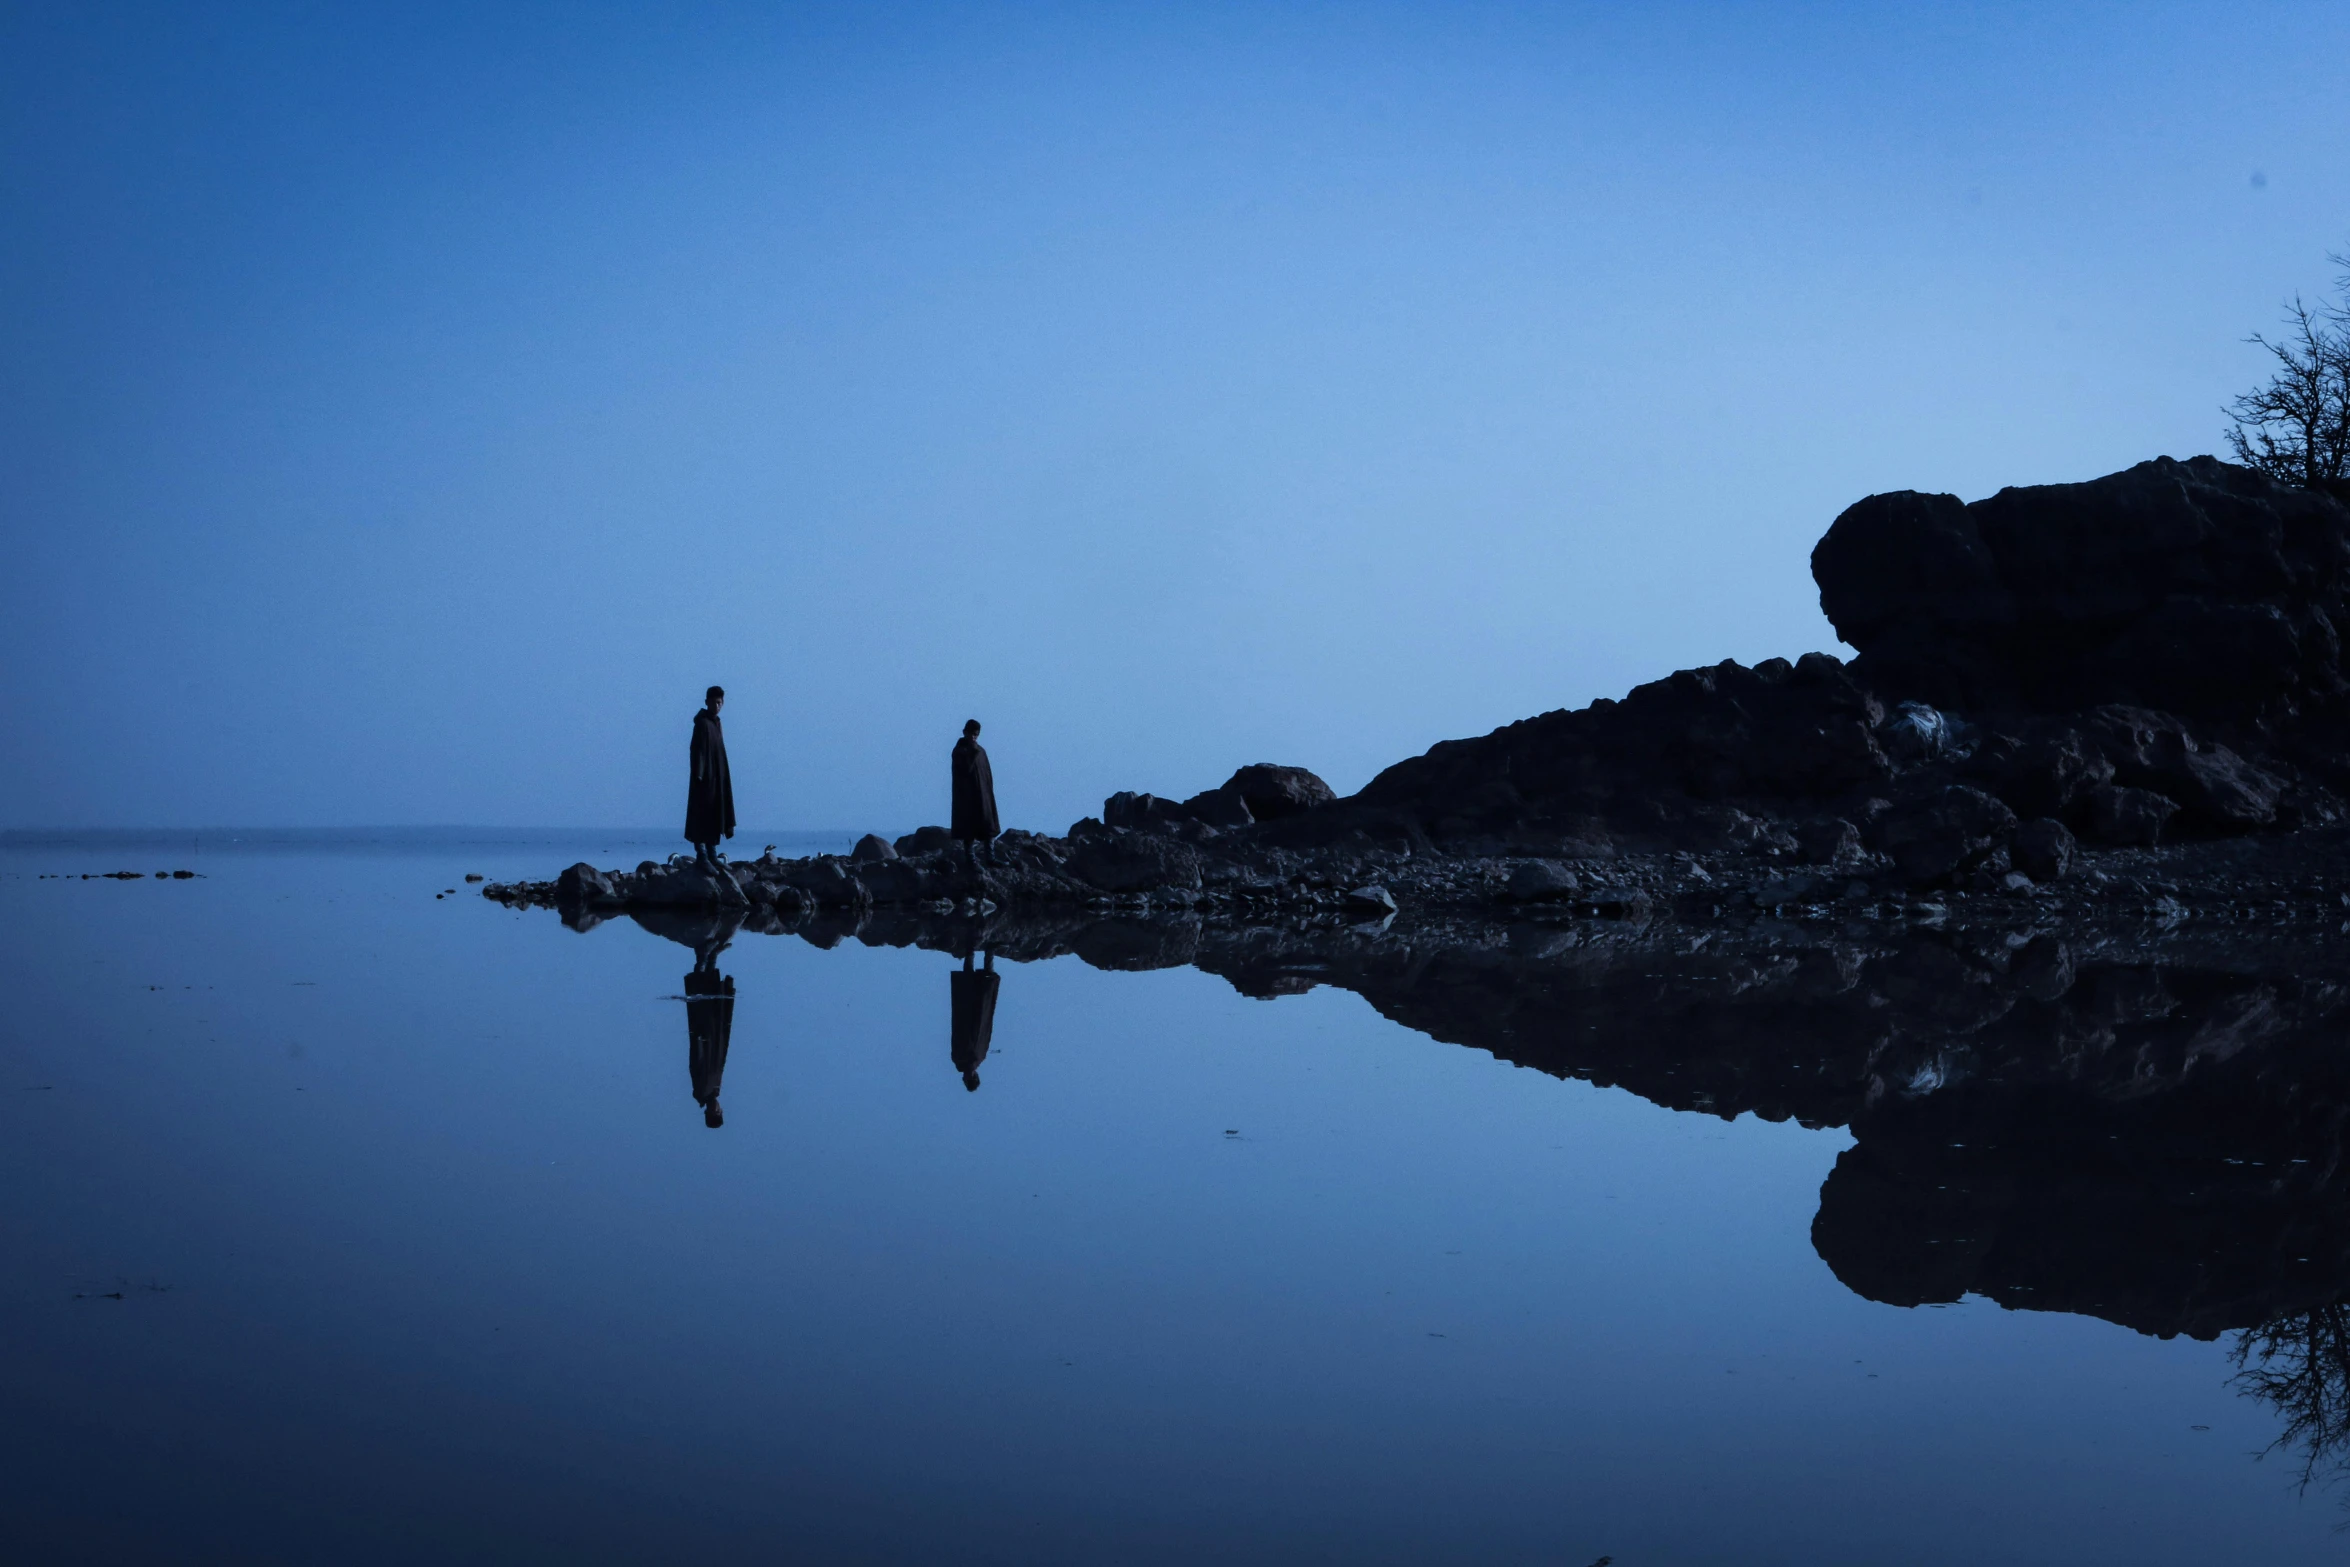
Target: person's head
{"type": "Point", "coordinates": [712, 1116]}
{"type": "Point", "coordinates": [970, 728]}
{"type": "Point", "coordinates": [714, 698]}
{"type": "Point", "coordinates": [971, 1081]}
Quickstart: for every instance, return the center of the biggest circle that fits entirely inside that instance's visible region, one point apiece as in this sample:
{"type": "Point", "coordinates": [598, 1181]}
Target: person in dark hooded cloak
{"type": "Point", "coordinates": [709, 791]}
{"type": "Point", "coordinates": [709, 1028]}
{"type": "Point", "coordinates": [971, 1017]}
{"type": "Point", "coordinates": [974, 820]}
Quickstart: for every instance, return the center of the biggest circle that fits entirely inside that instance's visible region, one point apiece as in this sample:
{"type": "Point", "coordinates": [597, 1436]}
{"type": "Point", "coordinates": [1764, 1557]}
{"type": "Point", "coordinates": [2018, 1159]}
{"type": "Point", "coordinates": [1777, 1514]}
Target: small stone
{"type": "Point", "coordinates": [1371, 898]}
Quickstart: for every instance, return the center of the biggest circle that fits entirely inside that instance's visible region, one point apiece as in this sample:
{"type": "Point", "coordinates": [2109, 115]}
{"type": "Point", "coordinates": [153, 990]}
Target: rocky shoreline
{"type": "Point", "coordinates": [2123, 698]}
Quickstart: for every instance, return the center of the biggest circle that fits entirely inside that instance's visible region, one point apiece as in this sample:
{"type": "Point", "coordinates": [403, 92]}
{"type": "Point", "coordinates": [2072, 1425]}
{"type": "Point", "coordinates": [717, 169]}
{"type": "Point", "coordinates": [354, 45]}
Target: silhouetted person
{"type": "Point", "coordinates": [709, 1026]}
{"type": "Point", "coordinates": [974, 819]}
{"type": "Point", "coordinates": [971, 1013]}
{"type": "Point", "coordinates": [709, 790]}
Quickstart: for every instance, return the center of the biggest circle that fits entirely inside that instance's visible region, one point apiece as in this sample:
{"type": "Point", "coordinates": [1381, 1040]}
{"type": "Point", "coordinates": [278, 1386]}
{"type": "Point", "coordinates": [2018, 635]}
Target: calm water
{"type": "Point", "coordinates": [345, 1224]}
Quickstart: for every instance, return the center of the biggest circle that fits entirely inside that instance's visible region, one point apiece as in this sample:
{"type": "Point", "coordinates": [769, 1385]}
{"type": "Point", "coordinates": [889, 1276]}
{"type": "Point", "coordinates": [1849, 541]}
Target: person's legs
{"type": "Point", "coordinates": [707, 853]}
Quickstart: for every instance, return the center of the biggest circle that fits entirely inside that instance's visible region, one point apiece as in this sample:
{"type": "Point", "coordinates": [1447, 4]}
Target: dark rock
{"type": "Point", "coordinates": [1273, 792]}
{"type": "Point", "coordinates": [1539, 881]}
{"type": "Point", "coordinates": [1944, 832]}
{"type": "Point", "coordinates": [581, 885]}
{"type": "Point", "coordinates": [2048, 774]}
{"type": "Point", "coordinates": [2126, 817]}
{"type": "Point", "coordinates": [2218, 789]}
{"type": "Point", "coordinates": [1829, 840]}
{"type": "Point", "coordinates": [925, 840]}
{"type": "Point", "coordinates": [872, 847]}
{"type": "Point", "coordinates": [1658, 758]}
{"type": "Point", "coordinates": [1914, 732]}
{"type": "Point", "coordinates": [2197, 587]}
{"type": "Point", "coordinates": [1134, 862]}
{"type": "Point", "coordinates": [2043, 849]}
{"type": "Point", "coordinates": [687, 882]}
{"type": "Point", "coordinates": [1131, 810]}
{"type": "Point", "coordinates": [1225, 807]}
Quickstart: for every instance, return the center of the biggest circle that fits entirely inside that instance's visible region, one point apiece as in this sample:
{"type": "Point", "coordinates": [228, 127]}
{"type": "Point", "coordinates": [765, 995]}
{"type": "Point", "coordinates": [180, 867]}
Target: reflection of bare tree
{"type": "Point", "coordinates": [2301, 1365]}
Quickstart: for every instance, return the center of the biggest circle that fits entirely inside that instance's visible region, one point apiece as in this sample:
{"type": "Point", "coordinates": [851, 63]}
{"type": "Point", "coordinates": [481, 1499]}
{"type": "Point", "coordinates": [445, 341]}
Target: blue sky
{"type": "Point", "coordinates": [404, 413]}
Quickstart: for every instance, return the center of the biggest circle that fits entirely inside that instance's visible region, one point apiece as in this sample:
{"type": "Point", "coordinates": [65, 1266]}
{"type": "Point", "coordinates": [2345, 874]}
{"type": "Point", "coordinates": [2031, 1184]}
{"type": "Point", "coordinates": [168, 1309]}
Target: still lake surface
{"type": "Point", "coordinates": [348, 1224]}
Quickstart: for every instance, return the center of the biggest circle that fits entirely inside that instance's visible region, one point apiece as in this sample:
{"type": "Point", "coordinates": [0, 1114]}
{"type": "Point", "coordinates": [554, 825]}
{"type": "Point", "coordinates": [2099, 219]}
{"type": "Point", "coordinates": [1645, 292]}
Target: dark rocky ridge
{"type": "Point", "coordinates": [1997, 734]}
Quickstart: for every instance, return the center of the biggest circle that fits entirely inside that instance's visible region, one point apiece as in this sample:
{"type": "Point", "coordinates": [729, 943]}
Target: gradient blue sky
{"type": "Point", "coordinates": [405, 412]}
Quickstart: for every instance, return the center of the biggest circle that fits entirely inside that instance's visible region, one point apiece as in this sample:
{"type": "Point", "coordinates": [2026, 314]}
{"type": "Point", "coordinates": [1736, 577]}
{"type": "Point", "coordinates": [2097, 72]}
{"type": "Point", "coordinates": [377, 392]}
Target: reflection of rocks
{"type": "Point", "coordinates": [2141, 1123]}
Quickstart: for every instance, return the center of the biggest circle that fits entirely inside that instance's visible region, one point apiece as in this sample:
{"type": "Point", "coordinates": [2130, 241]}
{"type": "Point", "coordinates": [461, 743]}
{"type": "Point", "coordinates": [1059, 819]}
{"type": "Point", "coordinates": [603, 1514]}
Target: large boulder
{"type": "Point", "coordinates": [582, 885]}
{"type": "Point", "coordinates": [1943, 832]}
{"type": "Point", "coordinates": [872, 847]}
{"type": "Point", "coordinates": [1273, 792]}
{"type": "Point", "coordinates": [2198, 587]}
{"type": "Point", "coordinates": [1226, 807]}
{"type": "Point", "coordinates": [2218, 790]}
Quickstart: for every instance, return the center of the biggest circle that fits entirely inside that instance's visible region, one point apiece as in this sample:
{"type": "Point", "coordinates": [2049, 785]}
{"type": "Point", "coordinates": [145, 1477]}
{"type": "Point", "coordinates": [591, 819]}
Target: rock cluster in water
{"type": "Point", "coordinates": [2044, 678]}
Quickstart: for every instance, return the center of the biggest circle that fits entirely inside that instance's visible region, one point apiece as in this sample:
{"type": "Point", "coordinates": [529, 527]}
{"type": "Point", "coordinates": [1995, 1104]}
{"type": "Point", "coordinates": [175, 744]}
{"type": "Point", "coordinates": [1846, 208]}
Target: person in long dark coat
{"type": "Point", "coordinates": [709, 790]}
{"type": "Point", "coordinates": [974, 819]}
{"type": "Point", "coordinates": [971, 1017]}
{"type": "Point", "coordinates": [709, 1028]}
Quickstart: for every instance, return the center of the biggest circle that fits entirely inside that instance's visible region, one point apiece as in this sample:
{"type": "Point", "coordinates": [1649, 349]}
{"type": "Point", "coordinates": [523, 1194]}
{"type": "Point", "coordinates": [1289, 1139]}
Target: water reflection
{"type": "Point", "coordinates": [971, 1017]}
{"type": "Point", "coordinates": [2133, 1128]}
{"type": "Point", "coordinates": [709, 1027]}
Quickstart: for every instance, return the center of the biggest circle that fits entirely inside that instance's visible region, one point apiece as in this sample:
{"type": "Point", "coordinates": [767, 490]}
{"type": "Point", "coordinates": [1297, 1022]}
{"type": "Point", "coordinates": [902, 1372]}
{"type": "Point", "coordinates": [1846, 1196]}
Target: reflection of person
{"type": "Point", "coordinates": [709, 1026]}
{"type": "Point", "coordinates": [974, 819]}
{"type": "Point", "coordinates": [971, 1017]}
{"type": "Point", "coordinates": [709, 792]}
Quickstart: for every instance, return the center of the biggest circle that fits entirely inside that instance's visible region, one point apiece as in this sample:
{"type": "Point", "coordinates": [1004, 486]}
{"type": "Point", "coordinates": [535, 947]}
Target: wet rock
{"type": "Point", "coordinates": [1944, 832]}
{"type": "Point", "coordinates": [582, 884]}
{"type": "Point", "coordinates": [2128, 817]}
{"type": "Point", "coordinates": [1371, 899]}
{"type": "Point", "coordinates": [1538, 881]}
{"type": "Point", "coordinates": [2044, 849]}
{"type": "Point", "coordinates": [687, 882]}
{"type": "Point", "coordinates": [1272, 792]}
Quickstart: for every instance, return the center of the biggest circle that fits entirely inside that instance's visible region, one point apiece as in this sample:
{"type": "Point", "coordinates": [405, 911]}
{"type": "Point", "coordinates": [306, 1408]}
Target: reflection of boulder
{"type": "Point", "coordinates": [2214, 1206]}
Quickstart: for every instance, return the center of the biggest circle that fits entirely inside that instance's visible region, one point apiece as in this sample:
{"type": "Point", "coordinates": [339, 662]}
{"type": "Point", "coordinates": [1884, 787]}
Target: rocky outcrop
{"type": "Point", "coordinates": [2195, 587]}
{"type": "Point", "coordinates": [2144, 657]}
